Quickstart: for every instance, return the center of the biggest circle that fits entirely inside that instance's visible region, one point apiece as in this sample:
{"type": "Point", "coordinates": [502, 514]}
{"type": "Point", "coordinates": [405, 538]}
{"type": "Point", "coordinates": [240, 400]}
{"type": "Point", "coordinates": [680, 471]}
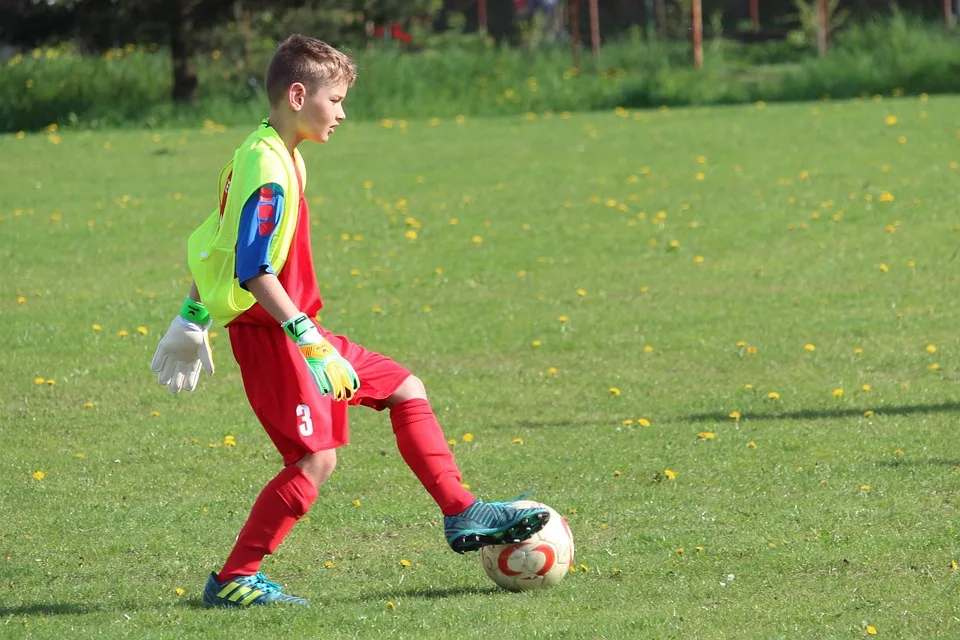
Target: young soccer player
{"type": "Point", "coordinates": [253, 273]}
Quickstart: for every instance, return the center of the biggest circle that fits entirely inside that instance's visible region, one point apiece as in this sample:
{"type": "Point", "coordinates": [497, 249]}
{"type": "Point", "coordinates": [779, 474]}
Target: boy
{"type": "Point", "coordinates": [253, 273]}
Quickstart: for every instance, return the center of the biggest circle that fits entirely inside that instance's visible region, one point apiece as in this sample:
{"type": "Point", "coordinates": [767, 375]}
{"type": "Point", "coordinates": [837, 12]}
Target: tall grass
{"type": "Point", "coordinates": [132, 85]}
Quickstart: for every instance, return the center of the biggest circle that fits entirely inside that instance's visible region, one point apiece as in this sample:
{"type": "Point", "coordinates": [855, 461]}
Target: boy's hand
{"type": "Point", "coordinates": [184, 349]}
{"type": "Point", "coordinates": [332, 373]}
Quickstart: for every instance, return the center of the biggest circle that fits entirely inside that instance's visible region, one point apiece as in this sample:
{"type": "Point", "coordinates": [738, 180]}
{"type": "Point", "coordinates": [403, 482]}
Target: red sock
{"type": "Point", "coordinates": [282, 502]}
{"type": "Point", "coordinates": [428, 455]}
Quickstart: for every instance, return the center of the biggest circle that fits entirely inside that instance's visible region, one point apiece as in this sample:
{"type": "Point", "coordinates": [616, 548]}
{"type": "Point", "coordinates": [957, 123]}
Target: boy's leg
{"type": "Point", "coordinates": [284, 500]}
{"type": "Point", "coordinates": [424, 448]}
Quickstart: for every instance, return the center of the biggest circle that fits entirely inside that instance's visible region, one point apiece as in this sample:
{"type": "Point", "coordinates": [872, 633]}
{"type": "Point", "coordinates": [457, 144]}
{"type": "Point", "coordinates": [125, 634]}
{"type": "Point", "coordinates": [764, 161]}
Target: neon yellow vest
{"type": "Point", "coordinates": [211, 249]}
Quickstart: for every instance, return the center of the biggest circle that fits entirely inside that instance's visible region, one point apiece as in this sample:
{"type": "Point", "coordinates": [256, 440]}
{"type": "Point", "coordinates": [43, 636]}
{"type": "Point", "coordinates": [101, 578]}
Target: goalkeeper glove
{"type": "Point", "coordinates": [184, 349]}
{"type": "Point", "coordinates": [332, 373]}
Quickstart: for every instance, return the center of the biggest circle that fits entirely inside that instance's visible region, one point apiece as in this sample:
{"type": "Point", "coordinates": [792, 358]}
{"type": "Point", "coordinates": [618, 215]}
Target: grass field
{"type": "Point", "coordinates": [592, 297]}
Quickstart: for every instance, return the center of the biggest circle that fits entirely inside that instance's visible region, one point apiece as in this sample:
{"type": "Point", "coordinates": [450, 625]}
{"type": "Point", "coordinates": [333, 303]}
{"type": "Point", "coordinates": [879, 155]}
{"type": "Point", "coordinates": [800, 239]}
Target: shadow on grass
{"type": "Point", "coordinates": [430, 593]}
{"type": "Point", "coordinates": [821, 414]}
{"type": "Point", "coordinates": [51, 609]}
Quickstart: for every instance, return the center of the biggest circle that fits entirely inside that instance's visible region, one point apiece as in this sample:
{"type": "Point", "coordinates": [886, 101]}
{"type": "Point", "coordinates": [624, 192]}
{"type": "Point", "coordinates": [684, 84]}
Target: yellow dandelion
{"type": "Point", "coordinates": [155, 414]}
{"type": "Point", "coordinates": [39, 380]}
{"type": "Point", "coordinates": [741, 344]}
{"type": "Point", "coordinates": [647, 348]}
{"type": "Point", "coordinates": [735, 415]}
{"type": "Point", "coordinates": [864, 487]}
{"type": "Point", "coordinates": [934, 367]}
{"type": "Point", "coordinates": [467, 437]}
{"type": "Point", "coordinates": [535, 343]}
{"type": "Point", "coordinates": [581, 292]}
{"type": "Point", "coordinates": [953, 565]}
{"type": "Point", "coordinates": [898, 452]}
{"type": "Point", "coordinates": [563, 319]}
{"type": "Point", "coordinates": [477, 240]}
{"type": "Point", "coordinates": [886, 196]}
{"type": "Point", "coordinates": [329, 564]}
{"type": "Point", "coordinates": [773, 395]}
{"type": "Point", "coordinates": [179, 591]}
{"type": "Point", "coordinates": [411, 234]}
{"type": "Point", "coordinates": [616, 474]}
{"type": "Point", "coordinates": [679, 551]}
{"type": "Point", "coordinates": [838, 392]}
{"type": "Point", "coordinates": [122, 333]}
{"type": "Point", "coordinates": [391, 605]}
{"type": "Point", "coordinates": [752, 351]}
{"type": "Point", "coordinates": [627, 422]}
{"type": "Point", "coordinates": [752, 444]}
{"type": "Point", "coordinates": [858, 351]}
{"type": "Point", "coordinates": [88, 405]}
{"type": "Point", "coordinates": [868, 414]}
{"type": "Point", "coordinates": [748, 387]}
{"type": "Point", "coordinates": [671, 475]}
{"type": "Point", "coordinates": [614, 391]}
{"type": "Point", "coordinates": [551, 371]}
{"type": "Point", "coordinates": [517, 441]}
{"type": "Point", "coordinates": [931, 348]}
{"type": "Point", "coordinates": [698, 260]}
{"type": "Point", "coordinates": [890, 120]}
{"type": "Point", "coordinates": [866, 388]}
{"type": "Point", "coordinates": [50, 382]}
{"type": "Point", "coordinates": [39, 475]}
{"type": "Point", "coordinates": [643, 422]}
{"type": "Point", "coordinates": [706, 435]}
{"type": "Point", "coordinates": [355, 503]}
{"type": "Point", "coordinates": [142, 330]}
{"type": "Point", "coordinates": [21, 299]}
{"type": "Point", "coordinates": [405, 563]}
{"type": "Point", "coordinates": [871, 630]}
{"type": "Point", "coordinates": [883, 267]}
{"type": "Point", "coordinates": [809, 347]}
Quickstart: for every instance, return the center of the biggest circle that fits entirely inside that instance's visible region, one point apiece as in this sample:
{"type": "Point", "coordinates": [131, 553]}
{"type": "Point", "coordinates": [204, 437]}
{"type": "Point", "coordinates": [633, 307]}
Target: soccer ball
{"type": "Point", "coordinates": [541, 560]}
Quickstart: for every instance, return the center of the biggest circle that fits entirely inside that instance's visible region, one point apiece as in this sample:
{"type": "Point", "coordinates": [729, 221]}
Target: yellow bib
{"type": "Point", "coordinates": [212, 248]}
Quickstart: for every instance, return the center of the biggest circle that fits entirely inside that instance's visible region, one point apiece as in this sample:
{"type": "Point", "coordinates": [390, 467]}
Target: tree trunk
{"type": "Point", "coordinates": [183, 50]}
{"type": "Point", "coordinates": [660, 8]}
{"type": "Point", "coordinates": [696, 33]}
{"type": "Point", "coordinates": [823, 31]}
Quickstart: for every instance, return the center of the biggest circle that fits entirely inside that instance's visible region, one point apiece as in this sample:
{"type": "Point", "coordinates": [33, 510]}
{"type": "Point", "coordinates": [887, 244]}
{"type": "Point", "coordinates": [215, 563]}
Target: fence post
{"type": "Point", "coordinates": [595, 32]}
{"type": "Point", "coordinates": [948, 16]}
{"type": "Point", "coordinates": [573, 7]}
{"type": "Point", "coordinates": [755, 15]}
{"type": "Point", "coordinates": [822, 34]}
{"type": "Point", "coordinates": [696, 16]}
{"type": "Point", "coordinates": [482, 15]}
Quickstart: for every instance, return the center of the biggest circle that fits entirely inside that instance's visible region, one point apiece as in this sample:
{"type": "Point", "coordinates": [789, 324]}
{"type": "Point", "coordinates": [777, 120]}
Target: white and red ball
{"type": "Point", "coordinates": [541, 560]}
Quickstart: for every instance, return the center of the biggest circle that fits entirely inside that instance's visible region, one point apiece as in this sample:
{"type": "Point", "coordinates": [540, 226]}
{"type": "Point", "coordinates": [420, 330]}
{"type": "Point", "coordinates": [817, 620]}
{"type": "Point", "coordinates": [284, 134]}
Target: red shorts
{"type": "Point", "coordinates": [285, 398]}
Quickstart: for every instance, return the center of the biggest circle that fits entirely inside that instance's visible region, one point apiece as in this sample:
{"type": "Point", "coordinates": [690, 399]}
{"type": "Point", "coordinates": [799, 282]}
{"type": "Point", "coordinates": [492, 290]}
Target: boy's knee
{"type": "Point", "coordinates": [318, 466]}
{"type": "Point", "coordinates": [410, 389]}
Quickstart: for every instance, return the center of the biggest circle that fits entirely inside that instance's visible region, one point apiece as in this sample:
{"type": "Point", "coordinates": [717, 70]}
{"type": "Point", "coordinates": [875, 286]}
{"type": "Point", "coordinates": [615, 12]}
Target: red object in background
{"type": "Point", "coordinates": [396, 33]}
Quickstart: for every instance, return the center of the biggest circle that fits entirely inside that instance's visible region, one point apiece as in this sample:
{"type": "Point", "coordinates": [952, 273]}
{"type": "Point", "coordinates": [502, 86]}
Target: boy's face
{"type": "Point", "coordinates": [319, 113]}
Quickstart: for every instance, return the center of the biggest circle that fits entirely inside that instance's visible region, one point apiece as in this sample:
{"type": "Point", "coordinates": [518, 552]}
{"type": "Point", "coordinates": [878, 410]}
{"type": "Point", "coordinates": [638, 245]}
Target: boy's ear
{"type": "Point", "coordinates": [297, 95]}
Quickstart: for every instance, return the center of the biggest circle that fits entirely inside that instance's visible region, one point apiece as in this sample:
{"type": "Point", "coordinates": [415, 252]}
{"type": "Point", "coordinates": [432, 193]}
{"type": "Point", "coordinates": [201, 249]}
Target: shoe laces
{"type": "Point", "coordinates": [265, 585]}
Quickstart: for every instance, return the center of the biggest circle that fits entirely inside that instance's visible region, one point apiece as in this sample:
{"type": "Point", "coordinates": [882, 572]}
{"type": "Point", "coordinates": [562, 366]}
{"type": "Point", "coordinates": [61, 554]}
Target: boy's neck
{"type": "Point", "coordinates": [286, 128]}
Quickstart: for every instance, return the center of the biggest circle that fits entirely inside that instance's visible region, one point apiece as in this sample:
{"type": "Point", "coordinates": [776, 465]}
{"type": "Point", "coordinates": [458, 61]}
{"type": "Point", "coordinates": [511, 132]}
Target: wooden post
{"type": "Point", "coordinates": [755, 15]}
{"type": "Point", "coordinates": [948, 16]}
{"type": "Point", "coordinates": [660, 8]}
{"type": "Point", "coordinates": [595, 31]}
{"type": "Point", "coordinates": [482, 15]}
{"type": "Point", "coordinates": [822, 34]}
{"type": "Point", "coordinates": [696, 32]}
{"type": "Point", "coordinates": [648, 19]}
{"type": "Point", "coordinates": [573, 7]}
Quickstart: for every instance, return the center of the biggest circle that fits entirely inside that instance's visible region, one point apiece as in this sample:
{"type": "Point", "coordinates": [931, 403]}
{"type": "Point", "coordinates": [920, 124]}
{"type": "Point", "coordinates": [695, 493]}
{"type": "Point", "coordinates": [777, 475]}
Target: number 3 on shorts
{"type": "Point", "coordinates": [306, 424]}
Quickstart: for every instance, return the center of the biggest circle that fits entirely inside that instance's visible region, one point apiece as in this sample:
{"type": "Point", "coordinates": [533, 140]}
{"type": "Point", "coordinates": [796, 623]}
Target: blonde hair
{"type": "Point", "coordinates": [312, 62]}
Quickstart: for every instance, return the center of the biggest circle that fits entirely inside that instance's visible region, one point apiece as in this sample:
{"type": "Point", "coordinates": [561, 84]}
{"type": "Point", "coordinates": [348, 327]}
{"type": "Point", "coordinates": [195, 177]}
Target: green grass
{"type": "Point", "coordinates": [833, 520]}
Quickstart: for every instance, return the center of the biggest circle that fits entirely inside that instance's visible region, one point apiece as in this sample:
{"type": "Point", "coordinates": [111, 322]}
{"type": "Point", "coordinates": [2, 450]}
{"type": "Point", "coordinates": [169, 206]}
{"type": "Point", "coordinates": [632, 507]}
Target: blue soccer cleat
{"type": "Point", "coordinates": [487, 523]}
{"type": "Point", "coordinates": [246, 591]}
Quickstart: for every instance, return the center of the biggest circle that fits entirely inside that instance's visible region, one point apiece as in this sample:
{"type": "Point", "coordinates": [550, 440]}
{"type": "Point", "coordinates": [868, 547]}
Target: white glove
{"type": "Point", "coordinates": [181, 353]}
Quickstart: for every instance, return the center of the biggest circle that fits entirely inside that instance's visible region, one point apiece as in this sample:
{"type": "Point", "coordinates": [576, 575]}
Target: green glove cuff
{"type": "Point", "coordinates": [296, 326]}
{"type": "Point", "coordinates": [193, 311]}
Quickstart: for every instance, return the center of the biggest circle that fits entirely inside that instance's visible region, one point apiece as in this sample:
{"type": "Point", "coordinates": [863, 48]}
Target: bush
{"type": "Point", "coordinates": [131, 86]}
